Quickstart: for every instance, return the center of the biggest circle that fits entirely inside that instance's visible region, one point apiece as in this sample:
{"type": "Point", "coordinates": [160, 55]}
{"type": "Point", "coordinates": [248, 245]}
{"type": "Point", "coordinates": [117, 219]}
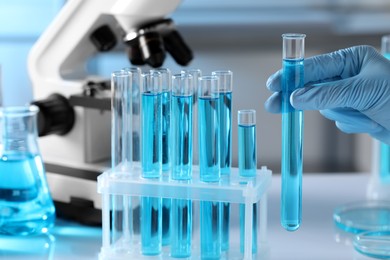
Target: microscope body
{"type": "Point", "coordinates": [57, 64]}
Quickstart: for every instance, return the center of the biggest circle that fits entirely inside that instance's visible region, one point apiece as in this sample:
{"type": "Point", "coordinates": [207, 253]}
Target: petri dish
{"type": "Point", "coordinates": [363, 216]}
{"type": "Point", "coordinates": [373, 244]}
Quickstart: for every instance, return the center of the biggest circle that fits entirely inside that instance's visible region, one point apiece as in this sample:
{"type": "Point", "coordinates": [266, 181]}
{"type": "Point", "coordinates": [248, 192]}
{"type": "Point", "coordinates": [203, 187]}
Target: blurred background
{"type": "Point", "coordinates": [243, 36]}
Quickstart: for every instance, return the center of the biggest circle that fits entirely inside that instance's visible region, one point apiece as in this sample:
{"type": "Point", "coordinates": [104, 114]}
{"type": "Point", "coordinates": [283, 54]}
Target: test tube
{"type": "Point", "coordinates": [195, 73]}
{"type": "Point", "coordinates": [166, 79]}
{"type": "Point", "coordinates": [384, 157]}
{"type": "Point", "coordinates": [292, 132]}
{"type": "Point", "coordinates": [182, 96]}
{"type": "Point", "coordinates": [247, 165]}
{"type": "Point", "coordinates": [136, 102]}
{"type": "Point", "coordinates": [208, 136]}
{"type": "Point", "coordinates": [121, 153]}
{"type": "Point", "coordinates": [121, 141]}
{"type": "Point", "coordinates": [225, 125]}
{"type": "Point", "coordinates": [151, 208]}
{"type": "Point", "coordinates": [134, 201]}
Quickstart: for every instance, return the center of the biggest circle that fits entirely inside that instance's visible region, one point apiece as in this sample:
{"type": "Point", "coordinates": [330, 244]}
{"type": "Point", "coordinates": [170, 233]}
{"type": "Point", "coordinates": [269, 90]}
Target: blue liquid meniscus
{"type": "Point", "coordinates": [209, 139]}
{"type": "Point", "coordinates": [182, 137]}
{"type": "Point", "coordinates": [151, 135]}
{"type": "Point", "coordinates": [292, 148]}
{"type": "Point", "coordinates": [26, 206]}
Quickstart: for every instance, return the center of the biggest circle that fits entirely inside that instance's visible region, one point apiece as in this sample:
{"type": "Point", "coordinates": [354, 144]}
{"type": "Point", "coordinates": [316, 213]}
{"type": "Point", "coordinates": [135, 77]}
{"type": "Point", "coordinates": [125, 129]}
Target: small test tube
{"type": "Point", "coordinates": [121, 154]}
{"type": "Point", "coordinates": [247, 165]}
{"type": "Point", "coordinates": [225, 125]}
{"type": "Point", "coordinates": [384, 154]}
{"type": "Point", "coordinates": [151, 208]}
{"type": "Point", "coordinates": [292, 132]}
{"type": "Point", "coordinates": [166, 79]}
{"type": "Point", "coordinates": [181, 211]}
{"type": "Point", "coordinates": [195, 73]}
{"type": "Point", "coordinates": [209, 165]}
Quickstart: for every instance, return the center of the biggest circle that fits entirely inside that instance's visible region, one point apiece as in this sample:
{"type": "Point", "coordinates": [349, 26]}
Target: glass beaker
{"type": "Point", "coordinates": [26, 206]}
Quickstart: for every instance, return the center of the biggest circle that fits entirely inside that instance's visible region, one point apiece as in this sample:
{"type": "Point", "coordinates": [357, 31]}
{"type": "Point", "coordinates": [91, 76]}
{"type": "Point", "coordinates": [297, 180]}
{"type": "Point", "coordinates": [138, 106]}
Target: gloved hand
{"type": "Point", "coordinates": [350, 86]}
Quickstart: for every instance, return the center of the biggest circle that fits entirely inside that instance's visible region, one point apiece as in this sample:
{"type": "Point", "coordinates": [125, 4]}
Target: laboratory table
{"type": "Point", "coordinates": [317, 238]}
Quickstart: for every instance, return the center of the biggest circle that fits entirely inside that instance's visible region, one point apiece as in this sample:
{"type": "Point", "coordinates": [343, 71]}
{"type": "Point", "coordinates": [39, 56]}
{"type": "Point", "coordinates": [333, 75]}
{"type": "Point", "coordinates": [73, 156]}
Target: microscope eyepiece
{"type": "Point", "coordinates": [178, 49]}
{"type": "Point", "coordinates": [148, 44]}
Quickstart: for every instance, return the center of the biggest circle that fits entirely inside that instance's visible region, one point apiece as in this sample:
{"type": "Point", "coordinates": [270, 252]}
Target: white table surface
{"type": "Point", "coordinates": [317, 238]}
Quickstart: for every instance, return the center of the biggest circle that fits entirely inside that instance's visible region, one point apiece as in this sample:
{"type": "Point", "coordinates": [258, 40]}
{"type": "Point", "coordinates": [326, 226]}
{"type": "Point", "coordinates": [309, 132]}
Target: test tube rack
{"type": "Point", "coordinates": [129, 186]}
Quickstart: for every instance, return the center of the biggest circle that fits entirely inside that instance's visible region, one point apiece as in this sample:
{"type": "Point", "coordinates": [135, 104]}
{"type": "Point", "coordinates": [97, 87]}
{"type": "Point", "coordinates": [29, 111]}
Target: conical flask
{"type": "Point", "coordinates": [26, 206]}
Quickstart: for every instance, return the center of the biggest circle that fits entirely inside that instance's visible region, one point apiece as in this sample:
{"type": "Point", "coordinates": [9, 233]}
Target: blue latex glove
{"type": "Point", "coordinates": [350, 86]}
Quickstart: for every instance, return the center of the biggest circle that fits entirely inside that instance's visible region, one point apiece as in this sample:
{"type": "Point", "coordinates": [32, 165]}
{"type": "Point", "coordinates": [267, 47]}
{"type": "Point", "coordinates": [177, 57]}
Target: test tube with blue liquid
{"type": "Point", "coordinates": [195, 73]}
{"type": "Point", "coordinates": [225, 125]}
{"type": "Point", "coordinates": [151, 208]}
{"type": "Point", "coordinates": [166, 79]}
{"type": "Point", "coordinates": [292, 132]}
{"type": "Point", "coordinates": [209, 165]}
{"type": "Point", "coordinates": [247, 165]}
{"type": "Point", "coordinates": [384, 154]}
{"type": "Point", "coordinates": [121, 153]}
{"type": "Point", "coordinates": [181, 210]}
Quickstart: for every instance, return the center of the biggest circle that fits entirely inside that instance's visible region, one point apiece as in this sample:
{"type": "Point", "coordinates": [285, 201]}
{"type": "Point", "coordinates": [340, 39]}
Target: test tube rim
{"type": "Point", "coordinates": [182, 76]}
{"type": "Point", "coordinates": [246, 112]}
{"type": "Point", "coordinates": [168, 73]}
{"type": "Point", "coordinates": [293, 36]}
{"type": "Point", "coordinates": [157, 89]}
{"type": "Point", "coordinates": [214, 92]}
{"type": "Point", "coordinates": [222, 74]}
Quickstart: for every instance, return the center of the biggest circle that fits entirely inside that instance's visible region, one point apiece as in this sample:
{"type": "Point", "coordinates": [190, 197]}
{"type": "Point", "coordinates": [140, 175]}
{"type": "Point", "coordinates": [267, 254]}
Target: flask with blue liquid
{"type": "Point", "coordinates": [26, 206]}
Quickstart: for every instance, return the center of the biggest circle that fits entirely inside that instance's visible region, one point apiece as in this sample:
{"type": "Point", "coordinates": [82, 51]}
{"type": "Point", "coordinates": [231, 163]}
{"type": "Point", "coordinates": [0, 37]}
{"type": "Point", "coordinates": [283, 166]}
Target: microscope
{"type": "Point", "coordinates": [74, 122]}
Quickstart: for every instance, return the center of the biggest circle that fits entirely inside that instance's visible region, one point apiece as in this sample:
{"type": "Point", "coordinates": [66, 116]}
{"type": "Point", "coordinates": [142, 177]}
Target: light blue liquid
{"type": "Point", "coordinates": [166, 115]}
{"type": "Point", "coordinates": [292, 139]}
{"type": "Point", "coordinates": [151, 208]}
{"type": "Point", "coordinates": [151, 135]}
{"type": "Point", "coordinates": [166, 221]}
{"type": "Point", "coordinates": [384, 163]}
{"type": "Point", "coordinates": [247, 150]}
{"type": "Point", "coordinates": [254, 228]}
{"type": "Point", "coordinates": [210, 230]}
{"type": "Point", "coordinates": [209, 139]}
{"type": "Point", "coordinates": [26, 206]}
{"type": "Point", "coordinates": [182, 228]}
{"type": "Point", "coordinates": [247, 165]}
{"type": "Point", "coordinates": [225, 125]}
{"type": "Point", "coordinates": [225, 207]}
{"type": "Point", "coordinates": [181, 170]}
{"type": "Point", "coordinates": [151, 225]}
{"type": "Point", "coordinates": [182, 137]}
